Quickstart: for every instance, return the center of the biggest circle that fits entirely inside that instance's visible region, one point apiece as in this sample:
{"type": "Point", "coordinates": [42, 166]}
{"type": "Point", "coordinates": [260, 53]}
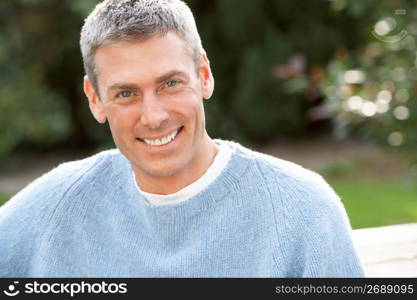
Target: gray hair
{"type": "Point", "coordinates": [136, 20]}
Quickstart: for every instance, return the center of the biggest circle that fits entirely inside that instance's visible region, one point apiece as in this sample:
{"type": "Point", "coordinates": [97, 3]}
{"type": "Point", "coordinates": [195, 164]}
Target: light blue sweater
{"type": "Point", "coordinates": [262, 217]}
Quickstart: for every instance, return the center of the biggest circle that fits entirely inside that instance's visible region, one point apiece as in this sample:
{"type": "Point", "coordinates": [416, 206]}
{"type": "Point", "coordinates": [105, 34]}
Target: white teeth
{"type": "Point", "coordinates": [163, 141]}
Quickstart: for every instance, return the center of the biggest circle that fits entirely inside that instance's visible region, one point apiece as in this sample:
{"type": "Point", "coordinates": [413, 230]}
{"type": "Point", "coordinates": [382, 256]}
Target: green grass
{"type": "Point", "coordinates": [3, 199]}
{"type": "Point", "coordinates": [376, 203]}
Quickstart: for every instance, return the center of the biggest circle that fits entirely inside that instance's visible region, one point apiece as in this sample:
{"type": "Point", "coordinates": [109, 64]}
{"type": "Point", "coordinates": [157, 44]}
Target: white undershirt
{"type": "Point", "coordinates": [219, 163]}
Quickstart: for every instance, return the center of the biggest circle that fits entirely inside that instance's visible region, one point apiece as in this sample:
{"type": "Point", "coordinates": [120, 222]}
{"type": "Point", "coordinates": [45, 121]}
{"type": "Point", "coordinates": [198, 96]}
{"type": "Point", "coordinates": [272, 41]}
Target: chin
{"type": "Point", "coordinates": [161, 170]}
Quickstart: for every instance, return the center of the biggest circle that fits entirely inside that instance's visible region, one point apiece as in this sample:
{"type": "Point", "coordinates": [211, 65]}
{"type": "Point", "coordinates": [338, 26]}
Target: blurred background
{"type": "Point", "coordinates": [330, 85]}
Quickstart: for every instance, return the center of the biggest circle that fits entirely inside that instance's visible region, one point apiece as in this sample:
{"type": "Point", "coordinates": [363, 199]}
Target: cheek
{"type": "Point", "coordinates": [121, 118]}
{"type": "Point", "coordinates": [191, 110]}
{"type": "Point", "coordinates": [184, 103]}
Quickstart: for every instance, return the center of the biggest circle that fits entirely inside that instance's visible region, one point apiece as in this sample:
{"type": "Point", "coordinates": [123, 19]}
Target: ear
{"type": "Point", "coordinates": [96, 106]}
{"type": "Point", "coordinates": [206, 77]}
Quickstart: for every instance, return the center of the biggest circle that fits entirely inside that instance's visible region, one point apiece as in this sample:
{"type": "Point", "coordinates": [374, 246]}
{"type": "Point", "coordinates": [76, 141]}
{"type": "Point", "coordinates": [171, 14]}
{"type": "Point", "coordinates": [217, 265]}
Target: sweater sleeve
{"type": "Point", "coordinates": [25, 218]}
{"type": "Point", "coordinates": [313, 231]}
{"type": "Point", "coordinates": [330, 249]}
{"type": "Point", "coordinates": [22, 220]}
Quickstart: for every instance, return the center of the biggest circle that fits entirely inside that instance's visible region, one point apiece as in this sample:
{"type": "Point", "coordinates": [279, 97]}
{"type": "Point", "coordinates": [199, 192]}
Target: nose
{"type": "Point", "coordinates": [153, 112]}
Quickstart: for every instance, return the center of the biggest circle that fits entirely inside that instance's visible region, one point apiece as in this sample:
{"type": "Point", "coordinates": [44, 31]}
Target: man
{"type": "Point", "coordinates": [170, 201]}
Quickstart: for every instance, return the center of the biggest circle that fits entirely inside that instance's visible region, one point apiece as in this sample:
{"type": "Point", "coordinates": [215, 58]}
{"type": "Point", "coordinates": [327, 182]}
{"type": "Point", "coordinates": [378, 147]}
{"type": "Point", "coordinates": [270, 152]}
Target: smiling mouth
{"type": "Point", "coordinates": [162, 141]}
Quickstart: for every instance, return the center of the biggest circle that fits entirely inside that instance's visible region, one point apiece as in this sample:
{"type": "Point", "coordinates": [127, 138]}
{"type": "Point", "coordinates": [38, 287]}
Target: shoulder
{"type": "Point", "coordinates": [26, 217]}
{"type": "Point", "coordinates": [308, 217]}
{"type": "Point", "coordinates": [55, 184]}
{"type": "Point", "coordinates": [290, 190]}
{"type": "Point", "coordinates": [282, 173]}
{"type": "Point", "coordinates": [268, 163]}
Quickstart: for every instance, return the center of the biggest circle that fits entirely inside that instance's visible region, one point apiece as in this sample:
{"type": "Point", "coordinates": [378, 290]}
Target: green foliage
{"type": "Point", "coordinates": [371, 89]}
{"type": "Point", "coordinates": [41, 102]}
{"type": "Point", "coordinates": [248, 42]}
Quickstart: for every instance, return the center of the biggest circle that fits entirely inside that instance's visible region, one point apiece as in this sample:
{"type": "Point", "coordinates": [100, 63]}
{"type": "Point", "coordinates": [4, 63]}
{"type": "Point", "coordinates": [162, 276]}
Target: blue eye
{"type": "Point", "coordinates": [172, 83]}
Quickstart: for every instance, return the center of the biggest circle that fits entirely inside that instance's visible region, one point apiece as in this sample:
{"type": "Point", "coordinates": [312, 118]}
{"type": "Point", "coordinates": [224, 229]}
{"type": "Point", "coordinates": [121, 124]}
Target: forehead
{"type": "Point", "coordinates": [145, 60]}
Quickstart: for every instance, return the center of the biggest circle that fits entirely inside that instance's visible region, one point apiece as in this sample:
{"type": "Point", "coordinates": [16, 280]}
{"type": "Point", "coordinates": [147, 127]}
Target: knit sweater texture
{"type": "Point", "coordinates": [261, 217]}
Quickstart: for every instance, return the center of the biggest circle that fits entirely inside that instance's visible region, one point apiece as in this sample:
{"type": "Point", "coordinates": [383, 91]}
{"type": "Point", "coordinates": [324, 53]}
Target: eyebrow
{"type": "Point", "coordinates": [134, 87]}
{"type": "Point", "coordinates": [123, 86]}
{"type": "Point", "coordinates": [169, 75]}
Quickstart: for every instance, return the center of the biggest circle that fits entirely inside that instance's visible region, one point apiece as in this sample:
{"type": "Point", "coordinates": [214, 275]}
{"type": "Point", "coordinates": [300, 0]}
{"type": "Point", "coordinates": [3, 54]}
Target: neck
{"type": "Point", "coordinates": [196, 168]}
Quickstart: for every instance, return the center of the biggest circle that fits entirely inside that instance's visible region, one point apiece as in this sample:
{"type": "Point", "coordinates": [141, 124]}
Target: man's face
{"type": "Point", "coordinates": [151, 95]}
